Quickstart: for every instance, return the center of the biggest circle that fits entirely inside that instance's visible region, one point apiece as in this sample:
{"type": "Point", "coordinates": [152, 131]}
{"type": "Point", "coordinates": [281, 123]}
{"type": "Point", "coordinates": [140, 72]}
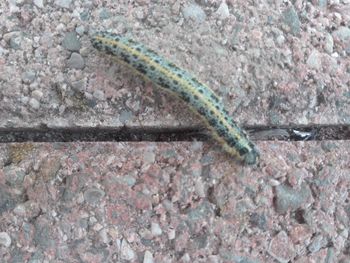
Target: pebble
{"type": "Point", "coordinates": [98, 94]}
{"type": "Point", "coordinates": [155, 229]}
{"type": "Point", "coordinates": [171, 234]}
{"type": "Point", "coordinates": [63, 3]}
{"type": "Point", "coordinates": [28, 76]}
{"type": "Point", "coordinates": [104, 14]}
{"type": "Point", "coordinates": [194, 12]}
{"type": "Point", "coordinates": [200, 188]}
{"type": "Point", "coordinates": [15, 41]}
{"type": "Point", "coordinates": [148, 257]}
{"type": "Point", "coordinates": [280, 40]}
{"type": "Point", "coordinates": [71, 42]}
{"type": "Point", "coordinates": [6, 200]}
{"type": "Point", "coordinates": [223, 12]}
{"type": "Point", "coordinates": [37, 94]}
{"type": "Point", "coordinates": [317, 243]}
{"type": "Point", "coordinates": [329, 43]}
{"type": "Point", "coordinates": [314, 60]}
{"type": "Point", "coordinates": [186, 258]}
{"type": "Point", "coordinates": [291, 18]}
{"type": "Point", "coordinates": [126, 251]}
{"type": "Point", "coordinates": [34, 103]}
{"type": "Point", "coordinates": [125, 116]}
{"type": "Point", "coordinates": [93, 195]}
{"type": "Point", "coordinates": [258, 220]}
{"type": "Point", "coordinates": [288, 198]}
{"type": "Point", "coordinates": [76, 61]}
{"type": "Point", "coordinates": [281, 248]}
{"type": "Point", "coordinates": [343, 33]}
{"type": "Point", "coordinates": [80, 30]}
{"type": "Point", "coordinates": [149, 157]}
{"type": "Point", "coordinates": [5, 239]}
{"type": "Point", "coordinates": [322, 3]}
{"type": "Point", "coordinates": [39, 3]}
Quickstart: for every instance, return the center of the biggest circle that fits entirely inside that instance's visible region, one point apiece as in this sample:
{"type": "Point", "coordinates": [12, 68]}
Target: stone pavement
{"type": "Point", "coordinates": [273, 63]}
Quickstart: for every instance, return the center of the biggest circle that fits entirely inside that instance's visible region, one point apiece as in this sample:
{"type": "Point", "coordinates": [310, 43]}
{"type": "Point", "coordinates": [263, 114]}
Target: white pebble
{"type": "Point", "coordinates": [5, 239]}
{"type": "Point", "coordinates": [39, 3]}
{"type": "Point", "coordinates": [223, 12]}
{"type": "Point", "coordinates": [37, 94]}
{"type": "Point", "coordinates": [314, 60]}
{"type": "Point", "coordinates": [126, 251]}
{"type": "Point", "coordinates": [155, 229]}
{"type": "Point", "coordinates": [34, 103]}
{"type": "Point", "coordinates": [148, 257]}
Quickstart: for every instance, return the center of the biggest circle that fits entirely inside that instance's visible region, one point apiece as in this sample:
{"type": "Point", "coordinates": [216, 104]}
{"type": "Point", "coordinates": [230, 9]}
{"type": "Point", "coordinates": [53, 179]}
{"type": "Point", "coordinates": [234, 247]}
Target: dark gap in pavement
{"type": "Point", "coordinates": [155, 134]}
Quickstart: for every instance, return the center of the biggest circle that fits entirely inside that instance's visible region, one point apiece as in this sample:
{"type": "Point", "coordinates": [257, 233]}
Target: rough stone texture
{"type": "Point", "coordinates": [272, 62]}
{"type": "Point", "coordinates": [139, 202]}
{"type": "Point", "coordinates": [276, 62]}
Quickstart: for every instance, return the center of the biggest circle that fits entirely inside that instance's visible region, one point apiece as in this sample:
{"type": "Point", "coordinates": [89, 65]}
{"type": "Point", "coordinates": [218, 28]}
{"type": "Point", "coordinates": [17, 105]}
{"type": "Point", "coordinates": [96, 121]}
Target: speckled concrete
{"type": "Point", "coordinates": [271, 62]}
{"type": "Point", "coordinates": [173, 202]}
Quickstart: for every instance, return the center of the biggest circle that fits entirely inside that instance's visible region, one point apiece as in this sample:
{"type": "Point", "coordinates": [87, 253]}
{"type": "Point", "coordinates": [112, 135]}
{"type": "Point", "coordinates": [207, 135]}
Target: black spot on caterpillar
{"type": "Point", "coordinates": [174, 79]}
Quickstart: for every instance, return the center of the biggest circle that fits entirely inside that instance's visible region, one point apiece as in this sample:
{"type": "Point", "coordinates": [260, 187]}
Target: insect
{"type": "Point", "coordinates": [177, 81]}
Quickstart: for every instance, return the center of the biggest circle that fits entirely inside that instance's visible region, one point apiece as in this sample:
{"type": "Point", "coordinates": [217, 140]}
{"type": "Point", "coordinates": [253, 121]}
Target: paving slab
{"type": "Point", "coordinates": [173, 202]}
{"type": "Point", "coordinates": [271, 62]}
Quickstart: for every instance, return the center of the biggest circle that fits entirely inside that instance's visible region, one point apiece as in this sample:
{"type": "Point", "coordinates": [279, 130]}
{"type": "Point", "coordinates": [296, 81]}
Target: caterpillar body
{"type": "Point", "coordinates": [179, 82]}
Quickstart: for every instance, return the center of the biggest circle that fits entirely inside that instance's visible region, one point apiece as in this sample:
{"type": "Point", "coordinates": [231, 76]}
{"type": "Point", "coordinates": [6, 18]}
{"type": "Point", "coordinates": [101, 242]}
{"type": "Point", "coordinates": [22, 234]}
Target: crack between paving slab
{"type": "Point", "coordinates": [156, 134]}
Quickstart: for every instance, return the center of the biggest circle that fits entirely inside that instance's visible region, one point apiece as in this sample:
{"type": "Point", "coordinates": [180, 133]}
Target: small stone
{"type": "Point", "coordinates": [149, 157]}
{"type": "Point", "coordinates": [5, 239]}
{"type": "Point", "coordinates": [126, 251]}
{"type": "Point", "coordinates": [148, 257]}
{"type": "Point", "coordinates": [171, 234]}
{"type": "Point", "coordinates": [46, 40]}
{"type": "Point", "coordinates": [63, 3]}
{"type": "Point", "coordinates": [288, 198]}
{"type": "Point", "coordinates": [281, 248]}
{"type": "Point", "coordinates": [34, 103]}
{"type": "Point", "coordinates": [322, 3]}
{"type": "Point", "coordinates": [155, 229]}
{"type": "Point", "coordinates": [98, 94]}
{"type": "Point", "coordinates": [342, 33]}
{"type": "Point", "coordinates": [291, 18]}
{"type": "Point", "coordinates": [258, 220]}
{"type": "Point", "coordinates": [71, 41]}
{"type": "Point", "coordinates": [80, 30]}
{"type": "Point", "coordinates": [104, 14]}
{"type": "Point", "coordinates": [93, 195]}
{"type": "Point", "coordinates": [200, 188]}
{"type": "Point", "coordinates": [280, 40]}
{"type": "Point", "coordinates": [6, 201]}
{"type": "Point", "coordinates": [15, 41]}
{"type": "Point", "coordinates": [314, 60]}
{"type": "Point", "coordinates": [76, 61]}
{"type": "Point", "coordinates": [329, 43]}
{"type": "Point", "coordinates": [39, 3]}
{"type": "Point", "coordinates": [28, 77]}
{"type": "Point", "coordinates": [194, 12]}
{"type": "Point", "coordinates": [186, 258]}
{"type": "Point", "coordinates": [317, 243]}
{"type": "Point", "coordinates": [37, 94]}
{"type": "Point", "coordinates": [223, 12]}
{"type": "Point", "coordinates": [125, 116]}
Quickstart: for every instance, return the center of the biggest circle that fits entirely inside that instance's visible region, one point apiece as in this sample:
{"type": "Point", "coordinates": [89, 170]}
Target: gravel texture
{"type": "Point", "coordinates": [272, 62]}
{"type": "Point", "coordinates": [277, 62]}
{"type": "Point", "coordinates": [173, 202]}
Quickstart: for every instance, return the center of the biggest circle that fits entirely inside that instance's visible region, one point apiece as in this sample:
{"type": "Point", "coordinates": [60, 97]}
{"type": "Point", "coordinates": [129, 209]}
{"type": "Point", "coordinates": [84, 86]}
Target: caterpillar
{"type": "Point", "coordinates": [175, 80]}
